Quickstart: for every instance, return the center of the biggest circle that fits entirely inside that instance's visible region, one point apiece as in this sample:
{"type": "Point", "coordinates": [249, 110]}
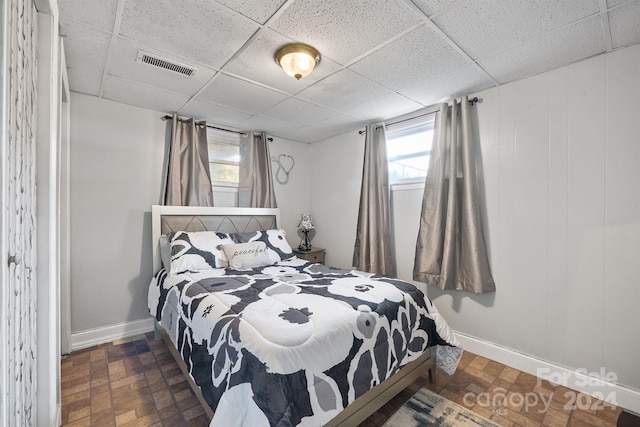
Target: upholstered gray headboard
{"type": "Point", "coordinates": [166, 219]}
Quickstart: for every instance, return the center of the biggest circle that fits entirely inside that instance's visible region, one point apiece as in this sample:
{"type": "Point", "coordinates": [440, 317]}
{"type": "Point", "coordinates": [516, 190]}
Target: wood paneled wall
{"type": "Point", "coordinates": [559, 154]}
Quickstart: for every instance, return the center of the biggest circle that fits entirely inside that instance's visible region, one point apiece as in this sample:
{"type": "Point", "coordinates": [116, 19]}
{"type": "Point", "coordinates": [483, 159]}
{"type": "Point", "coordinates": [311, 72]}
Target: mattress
{"type": "Point", "coordinates": [292, 344]}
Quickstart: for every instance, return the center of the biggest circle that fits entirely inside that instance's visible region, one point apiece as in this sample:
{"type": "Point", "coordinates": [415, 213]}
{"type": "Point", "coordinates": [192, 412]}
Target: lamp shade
{"type": "Point", "coordinates": [306, 222]}
{"type": "Point", "coordinates": [297, 60]}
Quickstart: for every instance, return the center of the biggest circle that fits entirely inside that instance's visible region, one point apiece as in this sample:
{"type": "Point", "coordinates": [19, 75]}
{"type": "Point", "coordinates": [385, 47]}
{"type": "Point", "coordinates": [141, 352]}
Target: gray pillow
{"type": "Point", "coordinates": [165, 251]}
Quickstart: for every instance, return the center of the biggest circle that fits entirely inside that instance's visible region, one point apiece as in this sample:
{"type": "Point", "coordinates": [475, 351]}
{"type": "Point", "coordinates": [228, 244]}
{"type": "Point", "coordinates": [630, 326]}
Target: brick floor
{"type": "Point", "coordinates": [136, 382]}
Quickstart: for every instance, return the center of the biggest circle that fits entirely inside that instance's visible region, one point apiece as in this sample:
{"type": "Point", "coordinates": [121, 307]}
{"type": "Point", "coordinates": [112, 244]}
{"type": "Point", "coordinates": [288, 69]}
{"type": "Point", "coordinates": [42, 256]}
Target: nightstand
{"type": "Point", "coordinates": [314, 255]}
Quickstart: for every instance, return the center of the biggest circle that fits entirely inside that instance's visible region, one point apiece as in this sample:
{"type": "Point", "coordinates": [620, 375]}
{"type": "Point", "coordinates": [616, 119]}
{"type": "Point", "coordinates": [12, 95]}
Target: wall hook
{"type": "Point", "coordinates": [282, 169]}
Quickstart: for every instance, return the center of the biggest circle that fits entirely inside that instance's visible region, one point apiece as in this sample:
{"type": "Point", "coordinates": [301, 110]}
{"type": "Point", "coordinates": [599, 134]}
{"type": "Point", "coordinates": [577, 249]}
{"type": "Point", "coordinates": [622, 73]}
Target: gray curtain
{"type": "Point", "coordinates": [256, 180]}
{"type": "Point", "coordinates": [372, 251]}
{"type": "Point", "coordinates": [451, 251]}
{"type": "Point", "coordinates": [187, 176]}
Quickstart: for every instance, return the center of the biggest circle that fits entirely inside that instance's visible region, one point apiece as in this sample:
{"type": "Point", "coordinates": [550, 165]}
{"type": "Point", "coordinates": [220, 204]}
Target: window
{"type": "Point", "coordinates": [224, 157]}
{"type": "Point", "coordinates": [408, 150]}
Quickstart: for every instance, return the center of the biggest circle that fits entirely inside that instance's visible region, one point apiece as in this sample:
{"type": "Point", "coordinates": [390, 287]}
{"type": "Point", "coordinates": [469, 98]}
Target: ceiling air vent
{"type": "Point", "coordinates": [165, 63]}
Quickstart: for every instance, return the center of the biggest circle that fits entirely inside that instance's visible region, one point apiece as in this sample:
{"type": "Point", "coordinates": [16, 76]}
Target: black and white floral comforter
{"type": "Point", "coordinates": [294, 343]}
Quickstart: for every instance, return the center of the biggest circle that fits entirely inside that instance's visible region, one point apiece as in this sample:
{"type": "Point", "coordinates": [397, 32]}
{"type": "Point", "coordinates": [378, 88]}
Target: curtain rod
{"type": "Point", "coordinates": [167, 117]}
{"type": "Point", "coordinates": [472, 101]}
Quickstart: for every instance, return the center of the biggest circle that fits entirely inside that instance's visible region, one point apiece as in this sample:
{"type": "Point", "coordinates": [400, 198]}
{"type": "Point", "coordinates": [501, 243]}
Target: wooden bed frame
{"type": "Point", "coordinates": [230, 220]}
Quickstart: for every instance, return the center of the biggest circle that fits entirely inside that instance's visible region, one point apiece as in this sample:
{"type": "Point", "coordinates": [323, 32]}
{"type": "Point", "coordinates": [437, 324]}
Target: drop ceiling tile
{"type": "Point", "coordinates": [553, 50]}
{"type": "Point", "coordinates": [385, 107]}
{"type": "Point", "coordinates": [311, 135]}
{"type": "Point", "coordinates": [297, 136]}
{"type": "Point", "coordinates": [132, 93]}
{"type": "Point", "coordinates": [201, 30]}
{"type": "Point", "coordinates": [612, 3]}
{"type": "Point", "coordinates": [240, 94]}
{"type": "Point", "coordinates": [431, 7]}
{"type": "Point", "coordinates": [445, 86]}
{"type": "Point", "coordinates": [344, 29]}
{"type": "Point", "coordinates": [342, 90]}
{"type": "Point", "coordinates": [338, 124]}
{"type": "Point", "coordinates": [214, 114]}
{"type": "Point", "coordinates": [257, 63]}
{"type": "Point", "coordinates": [258, 10]}
{"type": "Point", "coordinates": [85, 46]}
{"type": "Point", "coordinates": [417, 56]}
{"type": "Point", "coordinates": [324, 129]}
{"type": "Point", "coordinates": [625, 25]}
{"type": "Point", "coordinates": [482, 28]}
{"type": "Point", "coordinates": [272, 127]}
{"type": "Point", "coordinates": [298, 112]}
{"type": "Point", "coordinates": [99, 13]}
{"type": "Point", "coordinates": [340, 121]}
{"type": "Point", "coordinates": [122, 63]}
{"type": "Point", "coordinates": [84, 81]}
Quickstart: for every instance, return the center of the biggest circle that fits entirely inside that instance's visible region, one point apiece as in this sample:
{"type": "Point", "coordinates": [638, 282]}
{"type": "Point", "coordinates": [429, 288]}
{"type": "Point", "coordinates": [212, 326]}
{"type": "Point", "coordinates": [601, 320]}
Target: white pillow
{"type": "Point", "coordinates": [199, 250]}
{"type": "Point", "coordinates": [247, 255]}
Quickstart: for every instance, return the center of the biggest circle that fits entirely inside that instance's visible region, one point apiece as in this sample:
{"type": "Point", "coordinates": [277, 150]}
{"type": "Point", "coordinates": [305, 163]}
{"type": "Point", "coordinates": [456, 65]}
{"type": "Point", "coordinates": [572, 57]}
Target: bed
{"type": "Point", "coordinates": [266, 338]}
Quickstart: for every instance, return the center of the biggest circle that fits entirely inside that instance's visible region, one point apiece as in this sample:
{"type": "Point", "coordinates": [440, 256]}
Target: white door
{"type": "Point", "coordinates": [17, 215]}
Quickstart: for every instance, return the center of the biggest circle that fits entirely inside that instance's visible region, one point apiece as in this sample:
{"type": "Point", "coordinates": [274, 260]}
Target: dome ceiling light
{"type": "Point", "coordinates": [297, 59]}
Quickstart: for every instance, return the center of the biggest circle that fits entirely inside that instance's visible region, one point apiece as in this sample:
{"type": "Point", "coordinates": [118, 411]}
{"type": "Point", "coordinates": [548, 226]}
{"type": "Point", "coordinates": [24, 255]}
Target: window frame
{"type": "Point", "coordinates": [213, 137]}
{"type": "Point", "coordinates": [420, 124]}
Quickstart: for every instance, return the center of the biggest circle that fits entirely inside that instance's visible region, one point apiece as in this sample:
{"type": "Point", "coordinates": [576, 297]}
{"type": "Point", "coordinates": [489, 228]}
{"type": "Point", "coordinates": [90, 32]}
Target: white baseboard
{"type": "Point", "coordinates": [58, 415]}
{"type": "Point", "coordinates": [594, 385]}
{"type": "Point", "coordinates": [110, 333]}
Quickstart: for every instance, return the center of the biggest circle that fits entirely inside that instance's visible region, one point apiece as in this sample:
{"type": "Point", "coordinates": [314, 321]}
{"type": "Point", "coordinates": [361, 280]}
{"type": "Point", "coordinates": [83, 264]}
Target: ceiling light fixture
{"type": "Point", "coordinates": [297, 59]}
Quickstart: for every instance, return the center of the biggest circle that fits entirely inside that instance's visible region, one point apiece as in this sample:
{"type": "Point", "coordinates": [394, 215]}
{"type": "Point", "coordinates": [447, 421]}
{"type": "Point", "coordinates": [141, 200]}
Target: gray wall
{"type": "Point", "coordinates": [559, 153]}
{"type": "Point", "coordinates": [116, 161]}
{"type": "Point", "coordinates": [117, 154]}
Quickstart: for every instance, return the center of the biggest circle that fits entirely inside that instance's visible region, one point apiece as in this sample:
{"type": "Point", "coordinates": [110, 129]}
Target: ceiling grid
{"type": "Point", "coordinates": [380, 58]}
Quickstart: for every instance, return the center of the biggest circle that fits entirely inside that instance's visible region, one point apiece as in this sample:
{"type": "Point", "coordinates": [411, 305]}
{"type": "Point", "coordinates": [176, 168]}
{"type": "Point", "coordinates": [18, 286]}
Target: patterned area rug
{"type": "Point", "coordinates": [426, 408]}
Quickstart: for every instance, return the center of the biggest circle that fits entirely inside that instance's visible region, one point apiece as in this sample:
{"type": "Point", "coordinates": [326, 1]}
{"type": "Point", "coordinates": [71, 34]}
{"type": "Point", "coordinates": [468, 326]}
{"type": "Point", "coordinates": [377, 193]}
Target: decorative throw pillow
{"type": "Point", "coordinates": [275, 240]}
{"type": "Point", "coordinates": [199, 250]}
{"type": "Point", "coordinates": [247, 255]}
